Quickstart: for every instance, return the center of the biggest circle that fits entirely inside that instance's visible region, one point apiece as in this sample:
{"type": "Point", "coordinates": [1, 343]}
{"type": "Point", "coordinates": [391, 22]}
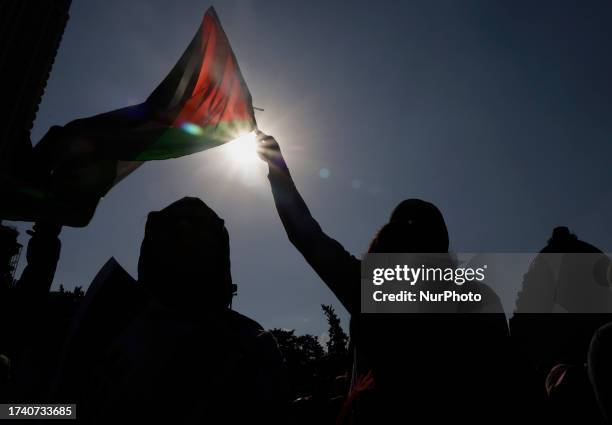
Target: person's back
{"type": "Point", "coordinates": [441, 366]}
{"type": "Point", "coordinates": [223, 367]}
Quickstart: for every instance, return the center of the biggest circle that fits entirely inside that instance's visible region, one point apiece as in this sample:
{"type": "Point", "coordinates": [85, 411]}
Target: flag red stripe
{"type": "Point", "coordinates": [220, 93]}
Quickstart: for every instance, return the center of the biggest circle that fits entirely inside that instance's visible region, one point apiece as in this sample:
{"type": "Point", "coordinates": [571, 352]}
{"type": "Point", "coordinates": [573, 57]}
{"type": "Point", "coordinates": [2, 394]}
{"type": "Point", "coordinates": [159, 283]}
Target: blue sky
{"type": "Point", "coordinates": [496, 111]}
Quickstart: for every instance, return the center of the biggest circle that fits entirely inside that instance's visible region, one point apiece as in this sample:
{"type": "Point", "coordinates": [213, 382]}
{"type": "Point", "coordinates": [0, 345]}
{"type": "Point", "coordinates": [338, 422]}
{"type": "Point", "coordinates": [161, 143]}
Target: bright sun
{"type": "Point", "coordinates": [242, 151]}
{"type": "Point", "coordinates": [241, 159]}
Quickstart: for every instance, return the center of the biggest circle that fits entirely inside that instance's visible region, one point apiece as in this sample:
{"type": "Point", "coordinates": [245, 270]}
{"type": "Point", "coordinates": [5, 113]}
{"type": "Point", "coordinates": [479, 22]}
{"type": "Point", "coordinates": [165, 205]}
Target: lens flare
{"type": "Point", "coordinates": [192, 129]}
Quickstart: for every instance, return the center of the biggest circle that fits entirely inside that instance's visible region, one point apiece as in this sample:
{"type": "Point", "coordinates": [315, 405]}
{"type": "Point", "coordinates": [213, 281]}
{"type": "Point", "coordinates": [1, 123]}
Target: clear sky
{"type": "Point", "coordinates": [496, 111]}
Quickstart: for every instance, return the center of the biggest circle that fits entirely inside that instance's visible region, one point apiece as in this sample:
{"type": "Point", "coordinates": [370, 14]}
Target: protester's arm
{"type": "Point", "coordinates": [338, 269]}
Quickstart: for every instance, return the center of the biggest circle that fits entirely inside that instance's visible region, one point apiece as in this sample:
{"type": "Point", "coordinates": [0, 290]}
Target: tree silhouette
{"type": "Point", "coordinates": [338, 339]}
{"type": "Point", "coordinates": [303, 355]}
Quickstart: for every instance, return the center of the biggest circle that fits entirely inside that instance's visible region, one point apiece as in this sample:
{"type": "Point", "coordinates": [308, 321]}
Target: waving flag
{"type": "Point", "coordinates": [203, 102]}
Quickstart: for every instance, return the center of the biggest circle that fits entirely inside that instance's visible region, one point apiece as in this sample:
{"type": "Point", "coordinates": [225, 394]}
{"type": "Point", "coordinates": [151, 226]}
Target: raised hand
{"type": "Point", "coordinates": [269, 150]}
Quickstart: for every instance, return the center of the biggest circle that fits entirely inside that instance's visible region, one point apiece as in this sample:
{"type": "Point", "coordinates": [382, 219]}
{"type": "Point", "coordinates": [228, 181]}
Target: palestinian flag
{"type": "Point", "coordinates": [203, 102]}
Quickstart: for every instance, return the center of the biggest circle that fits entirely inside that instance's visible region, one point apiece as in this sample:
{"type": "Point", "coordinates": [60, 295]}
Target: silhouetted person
{"type": "Point", "coordinates": [42, 255]}
{"type": "Point", "coordinates": [565, 298]}
{"type": "Point", "coordinates": [34, 359]}
{"type": "Point", "coordinates": [185, 357]}
{"type": "Point", "coordinates": [431, 366]}
{"type": "Point", "coordinates": [569, 276]}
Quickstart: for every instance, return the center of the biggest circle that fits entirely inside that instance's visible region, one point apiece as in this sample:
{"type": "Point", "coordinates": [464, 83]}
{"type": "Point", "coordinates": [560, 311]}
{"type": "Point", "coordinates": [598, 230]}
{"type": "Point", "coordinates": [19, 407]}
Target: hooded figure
{"type": "Point", "coordinates": [185, 257]}
{"type": "Point", "coordinates": [185, 356]}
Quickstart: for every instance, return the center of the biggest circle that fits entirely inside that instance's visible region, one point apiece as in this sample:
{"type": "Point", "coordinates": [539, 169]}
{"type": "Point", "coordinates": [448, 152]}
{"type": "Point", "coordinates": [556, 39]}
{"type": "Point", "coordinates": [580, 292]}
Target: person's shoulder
{"type": "Point", "coordinates": [251, 331]}
{"type": "Point", "coordinates": [241, 320]}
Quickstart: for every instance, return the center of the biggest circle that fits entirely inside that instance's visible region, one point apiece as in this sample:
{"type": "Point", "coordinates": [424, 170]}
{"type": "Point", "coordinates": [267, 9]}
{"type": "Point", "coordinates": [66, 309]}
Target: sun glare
{"type": "Point", "coordinates": [242, 161]}
{"type": "Point", "coordinates": [242, 151]}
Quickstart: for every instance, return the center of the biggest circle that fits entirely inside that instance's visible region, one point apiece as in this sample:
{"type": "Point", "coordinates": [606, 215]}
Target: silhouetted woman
{"type": "Point", "coordinates": [432, 366]}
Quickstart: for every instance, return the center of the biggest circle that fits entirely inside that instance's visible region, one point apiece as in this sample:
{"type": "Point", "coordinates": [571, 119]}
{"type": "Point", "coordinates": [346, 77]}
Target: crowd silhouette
{"type": "Point", "coordinates": [144, 350]}
{"type": "Point", "coordinates": [168, 347]}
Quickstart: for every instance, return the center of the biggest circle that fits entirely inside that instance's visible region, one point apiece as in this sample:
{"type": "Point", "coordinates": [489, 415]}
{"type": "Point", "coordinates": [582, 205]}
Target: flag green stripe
{"type": "Point", "coordinates": [175, 142]}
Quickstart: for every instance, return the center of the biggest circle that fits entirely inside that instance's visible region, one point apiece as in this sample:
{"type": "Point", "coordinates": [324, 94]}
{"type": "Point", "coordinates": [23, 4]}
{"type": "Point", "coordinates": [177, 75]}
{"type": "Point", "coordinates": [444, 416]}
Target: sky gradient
{"type": "Point", "coordinates": [496, 111]}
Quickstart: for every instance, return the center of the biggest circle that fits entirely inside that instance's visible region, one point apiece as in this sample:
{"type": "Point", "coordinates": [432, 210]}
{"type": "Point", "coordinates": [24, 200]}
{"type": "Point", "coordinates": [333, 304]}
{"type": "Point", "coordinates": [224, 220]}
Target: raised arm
{"type": "Point", "coordinates": [338, 269]}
